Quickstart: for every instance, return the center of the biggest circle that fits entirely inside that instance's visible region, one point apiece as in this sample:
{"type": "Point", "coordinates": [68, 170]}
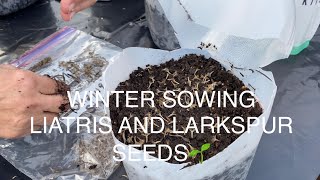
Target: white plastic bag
{"type": "Point", "coordinates": [307, 22]}
{"type": "Point", "coordinates": [255, 32]}
{"type": "Point", "coordinates": [233, 162]}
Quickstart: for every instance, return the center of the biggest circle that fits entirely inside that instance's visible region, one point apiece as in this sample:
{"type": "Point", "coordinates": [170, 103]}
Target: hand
{"type": "Point", "coordinates": [23, 95]}
{"type": "Point", "coordinates": [68, 8]}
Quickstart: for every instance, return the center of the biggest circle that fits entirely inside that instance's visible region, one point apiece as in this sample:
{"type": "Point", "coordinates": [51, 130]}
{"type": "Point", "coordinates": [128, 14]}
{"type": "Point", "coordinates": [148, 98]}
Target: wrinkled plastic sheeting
{"type": "Point", "coordinates": [79, 60]}
{"type": "Point", "coordinates": [233, 162]}
{"type": "Point", "coordinates": [295, 155]}
{"type": "Point", "coordinates": [243, 32]}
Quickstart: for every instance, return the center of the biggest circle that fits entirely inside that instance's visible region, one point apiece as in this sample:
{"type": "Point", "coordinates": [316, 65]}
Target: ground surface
{"type": "Point", "coordinates": [279, 156]}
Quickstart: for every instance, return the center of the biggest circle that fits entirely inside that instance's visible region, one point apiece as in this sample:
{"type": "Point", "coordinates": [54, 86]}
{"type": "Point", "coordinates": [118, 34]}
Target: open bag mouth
{"type": "Point", "coordinates": [259, 81]}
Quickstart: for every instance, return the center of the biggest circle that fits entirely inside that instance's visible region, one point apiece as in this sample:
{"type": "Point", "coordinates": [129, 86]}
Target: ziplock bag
{"type": "Point", "coordinates": [265, 31]}
{"type": "Point", "coordinates": [77, 59]}
{"type": "Point", "coordinates": [234, 161]}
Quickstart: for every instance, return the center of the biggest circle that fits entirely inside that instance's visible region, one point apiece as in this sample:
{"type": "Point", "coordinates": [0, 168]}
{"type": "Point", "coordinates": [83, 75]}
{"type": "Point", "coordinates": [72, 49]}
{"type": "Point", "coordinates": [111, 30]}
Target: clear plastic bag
{"type": "Point", "coordinates": [79, 60]}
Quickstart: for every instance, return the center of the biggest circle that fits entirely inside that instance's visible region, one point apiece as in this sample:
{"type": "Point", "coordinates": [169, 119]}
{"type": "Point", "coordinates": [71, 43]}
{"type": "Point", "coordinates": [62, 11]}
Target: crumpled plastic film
{"type": "Point", "coordinates": [77, 59]}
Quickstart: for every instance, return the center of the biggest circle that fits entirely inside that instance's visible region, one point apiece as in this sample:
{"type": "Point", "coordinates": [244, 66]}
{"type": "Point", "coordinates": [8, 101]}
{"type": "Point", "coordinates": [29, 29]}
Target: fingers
{"type": "Point", "coordinates": [65, 6]}
{"type": "Point", "coordinates": [17, 133]}
{"type": "Point", "coordinates": [8, 67]}
{"type": "Point", "coordinates": [83, 5]}
{"type": "Point", "coordinates": [64, 16]}
{"type": "Point", "coordinates": [53, 103]}
{"type": "Point", "coordinates": [46, 85]}
{"type": "Point", "coordinates": [13, 134]}
{"type": "Point", "coordinates": [65, 9]}
{"type": "Point", "coordinates": [67, 16]}
{"type": "Point", "coordinates": [29, 81]}
{"type": "Point", "coordinates": [69, 7]}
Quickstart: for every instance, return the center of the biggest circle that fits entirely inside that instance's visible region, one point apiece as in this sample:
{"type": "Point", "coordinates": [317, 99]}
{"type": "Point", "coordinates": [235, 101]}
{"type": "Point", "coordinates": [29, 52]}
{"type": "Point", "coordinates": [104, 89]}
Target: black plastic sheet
{"type": "Point", "coordinates": [296, 155]}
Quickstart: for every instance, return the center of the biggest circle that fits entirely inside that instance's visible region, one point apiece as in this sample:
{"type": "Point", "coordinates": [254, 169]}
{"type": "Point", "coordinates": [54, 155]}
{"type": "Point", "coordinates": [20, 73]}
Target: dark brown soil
{"type": "Point", "coordinates": [62, 89]}
{"type": "Point", "coordinates": [192, 73]}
